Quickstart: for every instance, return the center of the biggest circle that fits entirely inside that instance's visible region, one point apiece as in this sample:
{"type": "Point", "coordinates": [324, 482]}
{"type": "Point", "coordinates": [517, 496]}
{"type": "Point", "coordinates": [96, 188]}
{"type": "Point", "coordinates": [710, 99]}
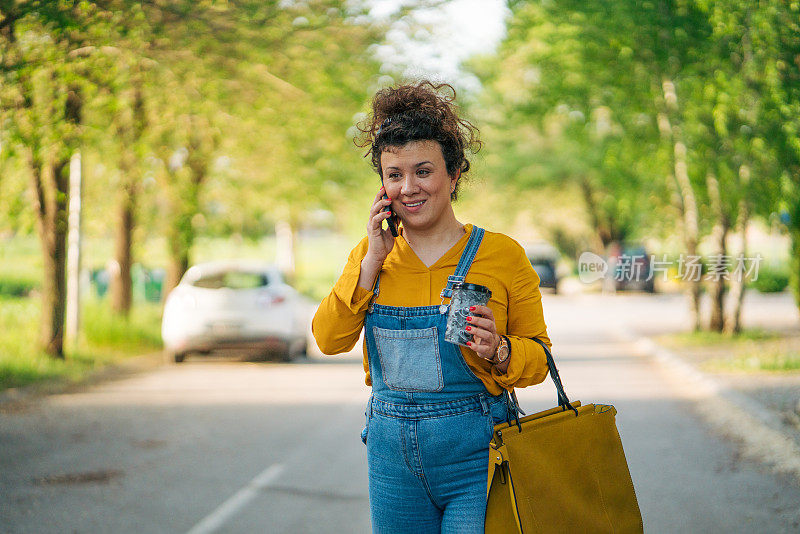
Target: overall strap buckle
{"type": "Point", "coordinates": [475, 238]}
{"type": "Point", "coordinates": [375, 293]}
{"type": "Point", "coordinates": [452, 280]}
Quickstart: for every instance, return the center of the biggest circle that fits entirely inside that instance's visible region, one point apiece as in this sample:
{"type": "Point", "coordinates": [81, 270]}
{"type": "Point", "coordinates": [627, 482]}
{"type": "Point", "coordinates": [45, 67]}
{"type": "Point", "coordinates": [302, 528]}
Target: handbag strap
{"type": "Point", "coordinates": [499, 463]}
{"type": "Point", "coordinates": [563, 400]}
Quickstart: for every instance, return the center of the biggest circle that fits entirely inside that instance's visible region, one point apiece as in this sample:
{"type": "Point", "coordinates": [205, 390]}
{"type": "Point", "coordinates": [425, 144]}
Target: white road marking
{"type": "Point", "coordinates": [224, 511]}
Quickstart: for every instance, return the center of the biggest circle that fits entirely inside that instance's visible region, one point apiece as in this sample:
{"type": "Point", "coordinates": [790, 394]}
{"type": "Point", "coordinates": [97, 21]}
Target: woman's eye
{"type": "Point", "coordinates": [394, 176]}
{"type": "Point", "coordinates": [424, 172]}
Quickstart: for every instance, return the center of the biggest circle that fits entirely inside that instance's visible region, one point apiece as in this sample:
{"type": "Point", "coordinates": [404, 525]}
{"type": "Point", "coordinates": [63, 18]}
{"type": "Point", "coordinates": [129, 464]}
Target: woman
{"type": "Point", "coordinates": [433, 403]}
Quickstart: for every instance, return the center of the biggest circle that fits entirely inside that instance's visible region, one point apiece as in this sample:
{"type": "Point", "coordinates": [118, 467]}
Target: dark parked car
{"type": "Point", "coordinates": [633, 269]}
{"type": "Point", "coordinates": [544, 259]}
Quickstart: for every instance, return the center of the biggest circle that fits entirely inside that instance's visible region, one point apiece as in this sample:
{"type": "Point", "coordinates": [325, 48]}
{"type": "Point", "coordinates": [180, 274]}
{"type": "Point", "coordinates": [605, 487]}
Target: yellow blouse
{"type": "Point", "coordinates": [500, 264]}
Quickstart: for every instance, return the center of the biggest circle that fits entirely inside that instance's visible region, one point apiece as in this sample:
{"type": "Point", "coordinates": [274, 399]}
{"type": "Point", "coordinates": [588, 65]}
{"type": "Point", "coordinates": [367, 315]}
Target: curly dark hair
{"type": "Point", "coordinates": [419, 112]}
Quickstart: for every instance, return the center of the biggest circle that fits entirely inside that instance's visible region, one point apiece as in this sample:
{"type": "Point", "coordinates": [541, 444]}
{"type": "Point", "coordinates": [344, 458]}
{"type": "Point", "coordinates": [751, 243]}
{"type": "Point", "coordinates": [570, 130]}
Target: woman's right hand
{"type": "Point", "coordinates": [381, 241]}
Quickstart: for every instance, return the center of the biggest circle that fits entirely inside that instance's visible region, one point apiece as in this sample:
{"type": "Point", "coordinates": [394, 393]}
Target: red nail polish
{"type": "Point", "coordinates": [469, 328]}
{"type": "Point", "coordinates": [472, 308]}
{"type": "Point", "coordinates": [469, 343]}
{"type": "Point", "coordinates": [469, 318]}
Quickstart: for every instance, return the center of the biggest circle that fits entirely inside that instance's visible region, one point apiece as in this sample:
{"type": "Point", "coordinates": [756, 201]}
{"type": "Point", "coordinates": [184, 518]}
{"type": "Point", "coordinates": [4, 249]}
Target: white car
{"type": "Point", "coordinates": [234, 304]}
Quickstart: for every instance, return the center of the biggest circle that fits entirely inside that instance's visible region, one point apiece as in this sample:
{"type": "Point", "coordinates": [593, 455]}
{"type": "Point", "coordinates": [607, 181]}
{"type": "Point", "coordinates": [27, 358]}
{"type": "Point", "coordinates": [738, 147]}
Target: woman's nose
{"type": "Point", "coordinates": [409, 186]}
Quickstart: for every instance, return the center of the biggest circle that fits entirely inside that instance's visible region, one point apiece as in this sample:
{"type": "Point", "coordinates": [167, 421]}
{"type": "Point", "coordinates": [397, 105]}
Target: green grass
{"type": "Point", "coordinates": [20, 266]}
{"type": "Point", "coordinates": [140, 331]}
{"type": "Point", "coordinates": [753, 350]}
{"type": "Point", "coordinates": [773, 360]}
{"type": "Point", "coordinates": [104, 339]}
{"type": "Point", "coordinates": [708, 339]}
{"type": "Point", "coordinates": [20, 362]}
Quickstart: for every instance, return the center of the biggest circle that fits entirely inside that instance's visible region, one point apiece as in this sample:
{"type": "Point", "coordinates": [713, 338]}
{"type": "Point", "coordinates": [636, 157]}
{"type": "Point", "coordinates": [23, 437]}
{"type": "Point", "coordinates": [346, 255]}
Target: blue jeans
{"type": "Point", "coordinates": [428, 464]}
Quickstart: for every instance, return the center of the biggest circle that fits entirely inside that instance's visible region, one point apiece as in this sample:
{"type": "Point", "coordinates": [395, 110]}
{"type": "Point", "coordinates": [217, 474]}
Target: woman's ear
{"type": "Point", "coordinates": [454, 181]}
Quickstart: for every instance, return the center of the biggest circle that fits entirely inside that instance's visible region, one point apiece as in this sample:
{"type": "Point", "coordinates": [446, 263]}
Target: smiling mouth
{"type": "Point", "coordinates": [414, 204]}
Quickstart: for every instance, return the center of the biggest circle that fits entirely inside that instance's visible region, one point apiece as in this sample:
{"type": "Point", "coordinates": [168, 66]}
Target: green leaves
{"type": "Point", "coordinates": [584, 78]}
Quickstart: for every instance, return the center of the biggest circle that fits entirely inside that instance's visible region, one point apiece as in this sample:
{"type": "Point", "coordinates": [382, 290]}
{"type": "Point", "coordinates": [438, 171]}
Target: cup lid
{"type": "Point", "coordinates": [472, 287]}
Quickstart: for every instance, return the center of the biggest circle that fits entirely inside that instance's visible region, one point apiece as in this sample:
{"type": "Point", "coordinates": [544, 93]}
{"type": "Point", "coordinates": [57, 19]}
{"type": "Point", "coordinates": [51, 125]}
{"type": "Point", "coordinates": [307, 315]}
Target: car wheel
{"type": "Point", "coordinates": [178, 357]}
{"type": "Point", "coordinates": [286, 355]}
{"type": "Point", "coordinates": [295, 349]}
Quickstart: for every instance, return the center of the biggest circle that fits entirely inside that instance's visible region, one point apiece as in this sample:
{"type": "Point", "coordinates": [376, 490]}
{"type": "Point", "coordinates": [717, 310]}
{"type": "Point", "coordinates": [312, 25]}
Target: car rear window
{"type": "Point", "coordinates": [232, 280]}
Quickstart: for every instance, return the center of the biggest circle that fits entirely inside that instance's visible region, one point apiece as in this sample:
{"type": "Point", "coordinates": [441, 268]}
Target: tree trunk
{"type": "Point", "coordinates": [602, 235]}
{"type": "Point", "coordinates": [185, 198]}
{"type": "Point", "coordinates": [178, 264]}
{"type": "Point", "coordinates": [670, 130]}
{"type": "Point", "coordinates": [181, 233]}
{"type": "Point", "coordinates": [130, 132]}
{"type": "Point", "coordinates": [50, 181]}
{"type": "Point", "coordinates": [720, 235]}
{"type": "Point", "coordinates": [794, 256]}
{"type": "Point", "coordinates": [795, 264]}
{"type": "Point", "coordinates": [690, 225]}
{"type": "Point", "coordinates": [733, 321]}
{"type": "Point", "coordinates": [718, 284]}
{"type": "Point", "coordinates": [180, 237]}
{"type": "Point", "coordinates": [121, 287]}
{"type": "Point", "coordinates": [52, 222]}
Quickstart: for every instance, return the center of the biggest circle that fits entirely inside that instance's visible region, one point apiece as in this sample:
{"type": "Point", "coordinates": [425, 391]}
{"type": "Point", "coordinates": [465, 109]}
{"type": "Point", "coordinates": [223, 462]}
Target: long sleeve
{"type": "Point", "coordinates": [338, 321]}
{"type": "Point", "coordinates": [528, 363]}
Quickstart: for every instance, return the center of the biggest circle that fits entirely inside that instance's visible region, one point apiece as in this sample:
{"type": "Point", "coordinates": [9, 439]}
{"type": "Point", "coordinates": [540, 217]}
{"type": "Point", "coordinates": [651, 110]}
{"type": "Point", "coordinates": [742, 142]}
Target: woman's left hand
{"type": "Point", "coordinates": [481, 324]}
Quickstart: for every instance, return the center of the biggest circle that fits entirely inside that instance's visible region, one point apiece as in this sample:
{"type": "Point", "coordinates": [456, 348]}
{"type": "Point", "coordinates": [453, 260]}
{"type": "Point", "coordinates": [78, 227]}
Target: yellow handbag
{"type": "Point", "coordinates": [562, 470]}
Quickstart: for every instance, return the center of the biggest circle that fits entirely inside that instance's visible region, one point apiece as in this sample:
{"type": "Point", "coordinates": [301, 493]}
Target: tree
{"type": "Point", "coordinates": [279, 107]}
{"type": "Point", "coordinates": [44, 88]}
{"type": "Point", "coordinates": [692, 88]}
{"type": "Point", "coordinates": [552, 96]}
{"type": "Point", "coordinates": [779, 33]}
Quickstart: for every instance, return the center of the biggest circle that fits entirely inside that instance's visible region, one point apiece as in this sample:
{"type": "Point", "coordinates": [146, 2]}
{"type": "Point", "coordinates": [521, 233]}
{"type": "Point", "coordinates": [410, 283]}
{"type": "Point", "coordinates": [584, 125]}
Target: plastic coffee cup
{"type": "Point", "coordinates": [464, 296]}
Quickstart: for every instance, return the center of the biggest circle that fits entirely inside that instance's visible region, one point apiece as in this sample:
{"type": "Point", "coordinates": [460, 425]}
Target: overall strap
{"type": "Point", "coordinates": [475, 238]}
{"type": "Point", "coordinates": [377, 286]}
{"type": "Point", "coordinates": [374, 293]}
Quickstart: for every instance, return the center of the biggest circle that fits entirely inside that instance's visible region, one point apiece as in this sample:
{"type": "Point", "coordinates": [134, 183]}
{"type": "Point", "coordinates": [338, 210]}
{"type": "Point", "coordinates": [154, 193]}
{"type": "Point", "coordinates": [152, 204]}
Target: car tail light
{"type": "Point", "coordinates": [267, 299]}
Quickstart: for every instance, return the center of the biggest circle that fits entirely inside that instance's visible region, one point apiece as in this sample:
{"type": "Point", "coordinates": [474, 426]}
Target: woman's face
{"type": "Point", "coordinates": [415, 177]}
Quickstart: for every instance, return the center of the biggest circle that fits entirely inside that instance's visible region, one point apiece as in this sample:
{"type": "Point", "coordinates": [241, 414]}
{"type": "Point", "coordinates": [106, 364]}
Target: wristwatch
{"type": "Point", "coordinates": [503, 351]}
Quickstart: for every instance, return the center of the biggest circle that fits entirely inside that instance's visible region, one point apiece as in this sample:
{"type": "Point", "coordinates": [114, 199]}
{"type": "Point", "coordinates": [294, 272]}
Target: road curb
{"type": "Point", "coordinates": [759, 431]}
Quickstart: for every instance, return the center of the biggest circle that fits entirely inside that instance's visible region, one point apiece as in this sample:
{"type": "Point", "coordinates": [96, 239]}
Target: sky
{"type": "Point", "coordinates": [436, 40]}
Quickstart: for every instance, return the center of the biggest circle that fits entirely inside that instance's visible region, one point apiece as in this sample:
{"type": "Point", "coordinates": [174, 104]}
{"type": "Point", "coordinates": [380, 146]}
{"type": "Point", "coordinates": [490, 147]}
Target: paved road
{"type": "Point", "coordinates": [220, 446]}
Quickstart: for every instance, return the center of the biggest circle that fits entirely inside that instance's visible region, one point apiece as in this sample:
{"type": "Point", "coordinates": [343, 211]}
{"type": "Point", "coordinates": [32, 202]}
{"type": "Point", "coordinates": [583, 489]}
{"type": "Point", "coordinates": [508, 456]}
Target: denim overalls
{"type": "Point", "coordinates": [429, 419]}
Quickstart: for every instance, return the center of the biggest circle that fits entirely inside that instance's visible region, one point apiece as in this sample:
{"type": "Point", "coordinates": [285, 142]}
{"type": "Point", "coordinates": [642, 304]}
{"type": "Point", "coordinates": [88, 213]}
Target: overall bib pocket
{"type": "Point", "coordinates": [410, 359]}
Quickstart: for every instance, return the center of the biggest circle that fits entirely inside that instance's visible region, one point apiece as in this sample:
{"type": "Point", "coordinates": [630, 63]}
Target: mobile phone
{"type": "Point", "coordinates": [391, 220]}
